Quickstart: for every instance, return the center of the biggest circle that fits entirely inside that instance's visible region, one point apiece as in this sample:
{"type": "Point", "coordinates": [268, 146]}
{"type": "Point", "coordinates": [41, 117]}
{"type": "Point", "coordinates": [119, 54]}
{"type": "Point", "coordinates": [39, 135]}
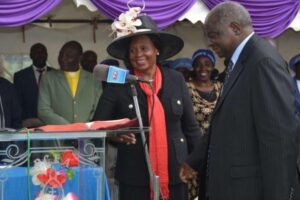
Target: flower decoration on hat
{"type": "Point", "coordinates": [132, 23]}
{"type": "Point", "coordinates": [127, 22]}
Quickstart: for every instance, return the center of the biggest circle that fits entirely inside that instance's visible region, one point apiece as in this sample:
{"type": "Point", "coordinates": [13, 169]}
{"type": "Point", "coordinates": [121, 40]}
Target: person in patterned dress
{"type": "Point", "coordinates": [204, 93]}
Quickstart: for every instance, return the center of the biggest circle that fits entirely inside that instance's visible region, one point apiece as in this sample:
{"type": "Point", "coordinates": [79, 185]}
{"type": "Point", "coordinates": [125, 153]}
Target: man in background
{"type": "Point", "coordinates": [10, 110]}
{"type": "Point", "coordinates": [70, 94]}
{"type": "Point", "coordinates": [10, 115]}
{"type": "Point", "coordinates": [27, 84]}
{"type": "Point", "coordinates": [89, 60]}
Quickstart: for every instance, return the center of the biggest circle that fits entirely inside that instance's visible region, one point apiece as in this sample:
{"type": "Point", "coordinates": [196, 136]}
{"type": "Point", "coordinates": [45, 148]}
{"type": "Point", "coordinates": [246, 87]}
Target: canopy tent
{"type": "Point", "coordinates": [86, 29]}
{"type": "Point", "coordinates": [270, 17]}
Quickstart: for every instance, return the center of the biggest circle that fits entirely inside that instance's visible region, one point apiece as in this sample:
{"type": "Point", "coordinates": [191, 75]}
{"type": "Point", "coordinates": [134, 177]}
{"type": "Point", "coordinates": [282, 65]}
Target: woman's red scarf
{"type": "Point", "coordinates": [158, 145]}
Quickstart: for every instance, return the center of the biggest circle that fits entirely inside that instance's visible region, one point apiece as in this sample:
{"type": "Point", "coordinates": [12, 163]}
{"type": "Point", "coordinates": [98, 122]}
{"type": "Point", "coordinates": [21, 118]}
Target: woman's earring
{"type": "Point", "coordinates": [157, 53]}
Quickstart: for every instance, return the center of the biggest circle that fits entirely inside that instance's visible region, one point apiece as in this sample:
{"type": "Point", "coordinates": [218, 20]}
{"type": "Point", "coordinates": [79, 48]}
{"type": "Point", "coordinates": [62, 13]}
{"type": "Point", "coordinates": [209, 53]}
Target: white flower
{"type": "Point", "coordinates": [40, 167]}
{"type": "Point", "coordinates": [127, 22]}
{"type": "Point", "coordinates": [45, 196]}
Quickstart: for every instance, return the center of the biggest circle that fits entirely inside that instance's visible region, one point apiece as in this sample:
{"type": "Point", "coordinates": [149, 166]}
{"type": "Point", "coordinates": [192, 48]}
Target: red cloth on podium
{"type": "Point", "coordinates": [96, 125]}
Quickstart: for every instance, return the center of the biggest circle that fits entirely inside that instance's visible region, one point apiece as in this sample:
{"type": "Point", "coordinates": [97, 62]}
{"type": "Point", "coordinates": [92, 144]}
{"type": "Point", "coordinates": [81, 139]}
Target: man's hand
{"type": "Point", "coordinates": [187, 173]}
{"type": "Point", "coordinates": [32, 123]}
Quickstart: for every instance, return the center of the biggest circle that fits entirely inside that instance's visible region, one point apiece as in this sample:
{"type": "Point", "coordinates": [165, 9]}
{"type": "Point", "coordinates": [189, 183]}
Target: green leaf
{"type": "Point", "coordinates": [70, 174]}
{"type": "Point", "coordinates": [56, 155]}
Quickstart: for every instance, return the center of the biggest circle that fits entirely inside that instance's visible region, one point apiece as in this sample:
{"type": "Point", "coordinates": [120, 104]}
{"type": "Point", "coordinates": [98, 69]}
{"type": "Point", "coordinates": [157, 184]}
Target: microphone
{"type": "Point", "coordinates": [113, 74]}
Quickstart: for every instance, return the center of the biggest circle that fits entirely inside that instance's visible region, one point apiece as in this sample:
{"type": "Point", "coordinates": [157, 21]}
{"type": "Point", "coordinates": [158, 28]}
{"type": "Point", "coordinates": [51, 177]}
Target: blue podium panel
{"type": "Point", "coordinates": [53, 165]}
{"type": "Point", "coordinates": [86, 184]}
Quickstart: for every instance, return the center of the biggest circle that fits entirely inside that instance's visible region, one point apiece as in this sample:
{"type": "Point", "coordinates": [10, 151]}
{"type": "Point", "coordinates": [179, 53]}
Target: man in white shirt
{"type": "Point", "coordinates": [27, 82]}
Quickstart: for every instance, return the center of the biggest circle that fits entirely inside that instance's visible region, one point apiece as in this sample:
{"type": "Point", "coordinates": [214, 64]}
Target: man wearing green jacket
{"type": "Point", "coordinates": [70, 94]}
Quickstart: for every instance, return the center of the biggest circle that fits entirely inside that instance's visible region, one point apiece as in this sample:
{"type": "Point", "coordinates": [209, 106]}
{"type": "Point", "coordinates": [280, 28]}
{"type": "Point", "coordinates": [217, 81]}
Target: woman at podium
{"type": "Point", "coordinates": [166, 109]}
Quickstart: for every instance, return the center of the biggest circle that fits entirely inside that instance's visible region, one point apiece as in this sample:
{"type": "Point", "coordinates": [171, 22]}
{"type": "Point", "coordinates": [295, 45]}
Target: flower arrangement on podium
{"type": "Point", "coordinates": [52, 173]}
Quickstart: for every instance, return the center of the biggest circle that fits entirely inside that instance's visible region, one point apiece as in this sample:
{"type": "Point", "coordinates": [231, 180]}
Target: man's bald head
{"type": "Point", "coordinates": [228, 12]}
{"type": "Point", "coordinates": [226, 26]}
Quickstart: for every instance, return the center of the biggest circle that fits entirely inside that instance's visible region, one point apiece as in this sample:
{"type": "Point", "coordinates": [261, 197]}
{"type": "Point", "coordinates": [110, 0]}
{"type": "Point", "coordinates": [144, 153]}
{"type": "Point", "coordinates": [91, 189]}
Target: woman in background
{"type": "Point", "coordinates": [204, 93]}
{"type": "Point", "coordinates": [203, 90]}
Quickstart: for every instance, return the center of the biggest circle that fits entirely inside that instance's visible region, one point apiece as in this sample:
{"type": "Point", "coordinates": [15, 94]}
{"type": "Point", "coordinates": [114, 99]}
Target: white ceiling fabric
{"type": "Point", "coordinates": [197, 13]}
{"type": "Point", "coordinates": [86, 3]}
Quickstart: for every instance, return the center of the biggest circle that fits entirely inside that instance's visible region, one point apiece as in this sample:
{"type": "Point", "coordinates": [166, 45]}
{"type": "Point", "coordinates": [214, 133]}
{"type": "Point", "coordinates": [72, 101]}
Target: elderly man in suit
{"type": "Point", "coordinates": [252, 147]}
{"type": "Point", "coordinates": [70, 94]}
{"type": "Point", "coordinates": [27, 84]}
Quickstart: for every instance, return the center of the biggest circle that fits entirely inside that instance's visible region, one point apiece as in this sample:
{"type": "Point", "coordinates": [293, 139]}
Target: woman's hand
{"type": "Point", "coordinates": [126, 139]}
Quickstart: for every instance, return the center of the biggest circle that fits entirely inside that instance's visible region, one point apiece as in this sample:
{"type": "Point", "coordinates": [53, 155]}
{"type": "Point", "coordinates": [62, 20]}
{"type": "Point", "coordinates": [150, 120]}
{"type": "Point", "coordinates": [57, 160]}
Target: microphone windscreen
{"type": "Point", "coordinates": [100, 72]}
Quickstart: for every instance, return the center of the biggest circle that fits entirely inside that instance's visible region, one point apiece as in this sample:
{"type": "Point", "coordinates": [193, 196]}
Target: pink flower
{"type": "Point", "coordinates": [70, 196]}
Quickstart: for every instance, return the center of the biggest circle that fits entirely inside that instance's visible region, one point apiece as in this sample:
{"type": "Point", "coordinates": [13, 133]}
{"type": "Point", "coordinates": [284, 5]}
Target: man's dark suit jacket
{"type": "Point", "coordinates": [10, 105]}
{"type": "Point", "coordinates": [182, 129]}
{"type": "Point", "coordinates": [27, 89]}
{"type": "Point", "coordinates": [10, 112]}
{"type": "Point", "coordinates": [297, 94]}
{"type": "Point", "coordinates": [253, 130]}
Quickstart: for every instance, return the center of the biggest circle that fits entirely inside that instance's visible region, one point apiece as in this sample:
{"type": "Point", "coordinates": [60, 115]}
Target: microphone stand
{"type": "Point", "coordinates": [153, 178]}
